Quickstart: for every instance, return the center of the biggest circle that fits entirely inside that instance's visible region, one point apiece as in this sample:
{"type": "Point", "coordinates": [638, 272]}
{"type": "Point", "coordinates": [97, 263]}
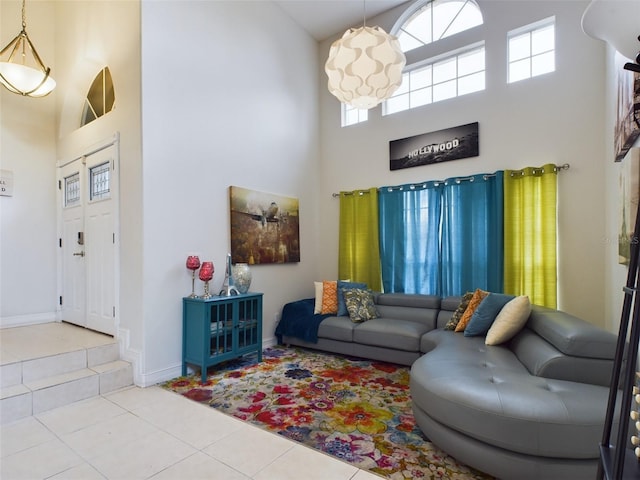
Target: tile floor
{"type": "Point", "coordinates": [144, 433]}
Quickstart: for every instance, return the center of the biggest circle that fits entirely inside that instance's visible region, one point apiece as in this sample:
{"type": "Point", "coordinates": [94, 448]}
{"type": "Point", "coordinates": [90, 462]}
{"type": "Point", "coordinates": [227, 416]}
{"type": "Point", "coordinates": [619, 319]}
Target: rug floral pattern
{"type": "Point", "coordinates": [356, 410]}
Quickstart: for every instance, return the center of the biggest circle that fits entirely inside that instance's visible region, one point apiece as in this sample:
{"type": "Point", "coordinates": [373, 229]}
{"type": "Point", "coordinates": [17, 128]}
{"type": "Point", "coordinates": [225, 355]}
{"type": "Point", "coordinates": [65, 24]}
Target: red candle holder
{"type": "Point", "coordinates": [206, 274]}
{"type": "Point", "coordinates": [193, 263]}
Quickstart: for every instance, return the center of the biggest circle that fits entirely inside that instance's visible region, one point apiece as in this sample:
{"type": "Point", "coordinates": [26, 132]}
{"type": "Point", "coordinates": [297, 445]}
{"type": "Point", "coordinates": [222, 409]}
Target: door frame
{"type": "Point", "coordinates": [101, 145]}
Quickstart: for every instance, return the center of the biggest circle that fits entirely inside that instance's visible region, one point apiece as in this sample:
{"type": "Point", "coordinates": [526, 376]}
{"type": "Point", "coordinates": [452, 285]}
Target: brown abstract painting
{"type": "Point", "coordinates": [264, 227]}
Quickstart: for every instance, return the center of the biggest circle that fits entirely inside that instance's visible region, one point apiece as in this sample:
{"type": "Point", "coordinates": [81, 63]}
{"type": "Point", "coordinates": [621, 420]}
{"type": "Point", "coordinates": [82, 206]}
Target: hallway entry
{"type": "Point", "coordinates": [88, 219]}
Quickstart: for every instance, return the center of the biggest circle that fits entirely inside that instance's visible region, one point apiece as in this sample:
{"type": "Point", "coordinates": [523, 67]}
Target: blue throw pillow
{"type": "Point", "coordinates": [342, 305]}
{"type": "Point", "coordinates": [486, 313]}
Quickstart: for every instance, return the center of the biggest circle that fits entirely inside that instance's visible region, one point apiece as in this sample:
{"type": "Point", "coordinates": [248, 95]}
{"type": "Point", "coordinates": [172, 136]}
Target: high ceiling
{"type": "Point", "coordinates": [325, 18]}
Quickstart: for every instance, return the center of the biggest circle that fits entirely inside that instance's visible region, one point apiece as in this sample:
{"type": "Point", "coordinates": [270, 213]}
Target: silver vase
{"type": "Point", "coordinates": [241, 275]}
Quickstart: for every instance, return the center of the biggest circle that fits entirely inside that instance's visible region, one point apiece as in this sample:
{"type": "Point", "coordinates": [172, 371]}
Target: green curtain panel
{"type": "Point", "coordinates": [530, 219]}
{"type": "Point", "coordinates": [358, 251]}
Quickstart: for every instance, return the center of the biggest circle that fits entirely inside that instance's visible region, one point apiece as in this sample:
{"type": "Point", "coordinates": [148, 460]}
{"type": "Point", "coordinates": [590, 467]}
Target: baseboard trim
{"type": "Point", "coordinates": [29, 319]}
{"type": "Point", "coordinates": [147, 379]}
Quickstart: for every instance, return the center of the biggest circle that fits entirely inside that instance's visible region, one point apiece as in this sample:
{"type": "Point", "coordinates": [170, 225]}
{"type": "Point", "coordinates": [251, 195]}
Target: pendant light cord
{"type": "Point", "coordinates": [364, 13]}
{"type": "Point", "coordinates": [24, 16]}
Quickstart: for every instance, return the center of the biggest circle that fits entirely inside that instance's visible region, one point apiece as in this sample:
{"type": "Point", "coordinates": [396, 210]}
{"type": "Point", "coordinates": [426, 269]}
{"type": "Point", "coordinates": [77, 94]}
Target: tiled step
{"type": "Point", "coordinates": [34, 386]}
{"type": "Point", "coordinates": [114, 375]}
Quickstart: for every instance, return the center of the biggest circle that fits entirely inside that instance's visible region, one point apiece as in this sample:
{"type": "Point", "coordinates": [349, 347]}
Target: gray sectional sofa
{"type": "Point", "coordinates": [532, 408]}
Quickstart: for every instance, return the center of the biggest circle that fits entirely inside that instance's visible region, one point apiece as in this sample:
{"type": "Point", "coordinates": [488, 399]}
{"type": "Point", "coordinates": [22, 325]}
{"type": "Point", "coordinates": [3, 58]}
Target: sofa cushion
{"type": "Point", "coordinates": [413, 307]}
{"type": "Point", "coordinates": [544, 360]}
{"type": "Point", "coordinates": [390, 333]}
{"type": "Point", "coordinates": [457, 314]}
{"type": "Point", "coordinates": [336, 328]}
{"type": "Point", "coordinates": [450, 304]}
{"type": "Point", "coordinates": [408, 300]}
{"type": "Point", "coordinates": [486, 313]}
{"type": "Point", "coordinates": [484, 392]}
{"type": "Point", "coordinates": [509, 321]}
{"type": "Point", "coordinates": [571, 335]}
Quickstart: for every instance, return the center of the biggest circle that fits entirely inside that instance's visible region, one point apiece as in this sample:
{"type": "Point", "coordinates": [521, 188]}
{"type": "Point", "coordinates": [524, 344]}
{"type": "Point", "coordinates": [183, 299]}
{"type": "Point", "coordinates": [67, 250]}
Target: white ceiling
{"type": "Point", "coordinates": [325, 18]}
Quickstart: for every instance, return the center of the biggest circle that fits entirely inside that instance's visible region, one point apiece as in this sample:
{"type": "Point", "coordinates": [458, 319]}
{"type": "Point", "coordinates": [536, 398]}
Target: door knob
{"type": "Point", "coordinates": [79, 254]}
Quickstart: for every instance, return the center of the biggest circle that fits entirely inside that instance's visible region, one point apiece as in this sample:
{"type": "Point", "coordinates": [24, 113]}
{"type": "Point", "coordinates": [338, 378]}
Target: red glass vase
{"type": "Point", "coordinates": [206, 274]}
{"type": "Point", "coordinates": [193, 263]}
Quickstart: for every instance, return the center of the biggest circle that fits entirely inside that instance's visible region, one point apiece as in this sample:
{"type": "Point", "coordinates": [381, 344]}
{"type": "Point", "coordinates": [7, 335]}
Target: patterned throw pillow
{"type": "Point", "coordinates": [455, 318]}
{"type": "Point", "coordinates": [474, 303]}
{"type": "Point", "coordinates": [342, 286]}
{"type": "Point", "coordinates": [329, 297]}
{"type": "Point", "coordinates": [360, 305]}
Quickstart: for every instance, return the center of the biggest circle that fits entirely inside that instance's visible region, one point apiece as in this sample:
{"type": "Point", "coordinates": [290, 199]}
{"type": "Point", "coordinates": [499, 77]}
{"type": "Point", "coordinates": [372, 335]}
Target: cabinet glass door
{"type": "Point", "coordinates": [221, 328]}
{"type": "Point", "coordinates": [248, 315]}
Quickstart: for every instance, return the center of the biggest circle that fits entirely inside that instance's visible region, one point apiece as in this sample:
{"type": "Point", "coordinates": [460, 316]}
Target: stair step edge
{"type": "Point", "coordinates": [60, 379]}
{"type": "Point", "coordinates": [111, 366]}
{"type": "Point", "coordinates": [13, 391]}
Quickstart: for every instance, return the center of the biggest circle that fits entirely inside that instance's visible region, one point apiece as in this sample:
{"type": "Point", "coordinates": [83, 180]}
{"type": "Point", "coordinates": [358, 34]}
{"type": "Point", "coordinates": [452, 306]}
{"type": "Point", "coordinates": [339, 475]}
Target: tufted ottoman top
{"type": "Point", "coordinates": [486, 393]}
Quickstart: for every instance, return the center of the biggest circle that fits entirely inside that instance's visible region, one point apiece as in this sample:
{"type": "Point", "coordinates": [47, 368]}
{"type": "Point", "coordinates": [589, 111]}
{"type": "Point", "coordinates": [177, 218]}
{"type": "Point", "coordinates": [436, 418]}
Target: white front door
{"type": "Point", "coordinates": [89, 189]}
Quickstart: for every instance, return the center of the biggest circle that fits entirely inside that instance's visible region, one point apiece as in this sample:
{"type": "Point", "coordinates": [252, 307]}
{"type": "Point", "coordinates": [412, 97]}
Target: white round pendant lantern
{"type": "Point", "coordinates": [364, 67]}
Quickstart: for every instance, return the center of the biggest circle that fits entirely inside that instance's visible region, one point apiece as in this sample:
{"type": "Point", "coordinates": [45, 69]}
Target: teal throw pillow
{"type": "Point", "coordinates": [360, 305]}
{"type": "Point", "coordinates": [486, 313]}
{"type": "Point", "coordinates": [342, 285]}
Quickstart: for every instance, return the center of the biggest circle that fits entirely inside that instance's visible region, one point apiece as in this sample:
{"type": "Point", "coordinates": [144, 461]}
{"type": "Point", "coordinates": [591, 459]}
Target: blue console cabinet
{"type": "Point", "coordinates": [220, 328]}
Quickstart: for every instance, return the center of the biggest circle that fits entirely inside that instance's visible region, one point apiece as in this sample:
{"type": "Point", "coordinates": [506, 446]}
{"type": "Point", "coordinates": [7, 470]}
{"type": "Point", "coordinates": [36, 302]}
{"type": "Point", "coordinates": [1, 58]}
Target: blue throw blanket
{"type": "Point", "coordinates": [298, 320]}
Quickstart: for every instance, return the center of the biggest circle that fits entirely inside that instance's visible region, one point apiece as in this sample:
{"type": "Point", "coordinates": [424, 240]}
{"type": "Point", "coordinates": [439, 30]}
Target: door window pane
{"type": "Point", "coordinates": [72, 190]}
{"type": "Point", "coordinates": [99, 176]}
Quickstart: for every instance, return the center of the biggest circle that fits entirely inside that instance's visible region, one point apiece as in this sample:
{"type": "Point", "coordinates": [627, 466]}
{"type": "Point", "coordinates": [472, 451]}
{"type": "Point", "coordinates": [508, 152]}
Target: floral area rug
{"type": "Point", "coordinates": [356, 410]}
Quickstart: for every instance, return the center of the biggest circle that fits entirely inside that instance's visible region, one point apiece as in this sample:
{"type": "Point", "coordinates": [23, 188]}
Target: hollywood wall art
{"type": "Point", "coordinates": [264, 227]}
{"type": "Point", "coordinates": [435, 147]}
{"type": "Point", "coordinates": [627, 129]}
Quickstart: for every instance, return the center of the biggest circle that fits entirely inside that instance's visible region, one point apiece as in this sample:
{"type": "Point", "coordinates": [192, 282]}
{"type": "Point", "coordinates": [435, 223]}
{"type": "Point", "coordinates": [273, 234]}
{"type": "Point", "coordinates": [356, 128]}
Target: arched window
{"type": "Point", "coordinates": [432, 78]}
{"type": "Point", "coordinates": [431, 20]}
{"type": "Point", "coordinates": [100, 98]}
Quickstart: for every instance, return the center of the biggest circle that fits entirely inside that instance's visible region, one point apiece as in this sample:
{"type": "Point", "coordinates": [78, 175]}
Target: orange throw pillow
{"type": "Point", "coordinates": [329, 297]}
{"type": "Point", "coordinates": [475, 301]}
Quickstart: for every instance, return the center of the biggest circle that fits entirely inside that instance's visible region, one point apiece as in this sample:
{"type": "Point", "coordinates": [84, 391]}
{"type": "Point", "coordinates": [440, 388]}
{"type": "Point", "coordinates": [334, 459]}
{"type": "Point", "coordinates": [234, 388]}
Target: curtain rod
{"type": "Point", "coordinates": [534, 171]}
{"type": "Point", "coordinates": [486, 176]}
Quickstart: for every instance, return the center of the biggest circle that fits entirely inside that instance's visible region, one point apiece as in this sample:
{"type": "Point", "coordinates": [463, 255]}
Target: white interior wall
{"type": "Point", "coordinates": [230, 97]}
{"type": "Point", "coordinates": [90, 36]}
{"type": "Point", "coordinates": [27, 149]}
{"type": "Point", "coordinates": [554, 118]}
{"type": "Point", "coordinates": [555, 124]}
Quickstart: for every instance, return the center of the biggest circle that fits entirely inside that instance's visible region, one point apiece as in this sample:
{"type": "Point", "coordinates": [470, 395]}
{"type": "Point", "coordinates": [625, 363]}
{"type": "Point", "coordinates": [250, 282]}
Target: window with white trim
{"type": "Point", "coordinates": [100, 98]}
{"type": "Point", "coordinates": [432, 20]}
{"type": "Point", "coordinates": [532, 50]}
{"type": "Point", "coordinates": [449, 77]}
{"type": "Point", "coordinates": [352, 115]}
